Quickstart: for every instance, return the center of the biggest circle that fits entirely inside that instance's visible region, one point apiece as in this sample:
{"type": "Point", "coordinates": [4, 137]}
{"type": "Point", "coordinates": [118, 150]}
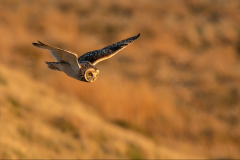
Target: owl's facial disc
{"type": "Point", "coordinates": [91, 75]}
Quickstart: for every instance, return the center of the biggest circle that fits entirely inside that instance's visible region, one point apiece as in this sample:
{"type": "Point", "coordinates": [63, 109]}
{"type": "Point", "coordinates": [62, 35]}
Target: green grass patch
{"type": "Point", "coordinates": [14, 102]}
{"type": "Point", "coordinates": [65, 126]}
{"type": "Point", "coordinates": [3, 81]}
{"type": "Point", "coordinates": [133, 152]}
{"type": "Point", "coordinates": [18, 153]}
{"type": "Point", "coordinates": [25, 133]}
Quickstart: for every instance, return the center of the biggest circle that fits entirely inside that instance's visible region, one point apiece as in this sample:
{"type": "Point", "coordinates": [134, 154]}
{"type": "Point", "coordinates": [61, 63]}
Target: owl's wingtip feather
{"type": "Point", "coordinates": [40, 42]}
{"type": "Point", "coordinates": [137, 36]}
{"type": "Point", "coordinates": [37, 44]}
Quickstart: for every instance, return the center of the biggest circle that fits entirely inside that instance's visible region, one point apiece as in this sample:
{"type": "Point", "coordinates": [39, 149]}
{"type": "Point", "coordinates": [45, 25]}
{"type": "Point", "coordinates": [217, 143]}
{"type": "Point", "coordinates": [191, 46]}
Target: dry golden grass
{"type": "Point", "coordinates": [37, 122]}
{"type": "Point", "coordinates": [178, 84]}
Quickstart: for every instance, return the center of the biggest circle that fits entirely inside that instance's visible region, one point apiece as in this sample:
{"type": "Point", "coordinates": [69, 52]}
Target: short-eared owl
{"type": "Point", "coordinates": [82, 68]}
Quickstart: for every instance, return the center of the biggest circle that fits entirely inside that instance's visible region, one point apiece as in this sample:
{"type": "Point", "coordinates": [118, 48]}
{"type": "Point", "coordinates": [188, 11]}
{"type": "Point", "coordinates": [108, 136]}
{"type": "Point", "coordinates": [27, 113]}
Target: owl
{"type": "Point", "coordinates": [82, 68]}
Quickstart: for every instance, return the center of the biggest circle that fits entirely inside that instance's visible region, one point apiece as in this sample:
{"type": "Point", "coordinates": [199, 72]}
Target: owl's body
{"type": "Point", "coordinates": [82, 68]}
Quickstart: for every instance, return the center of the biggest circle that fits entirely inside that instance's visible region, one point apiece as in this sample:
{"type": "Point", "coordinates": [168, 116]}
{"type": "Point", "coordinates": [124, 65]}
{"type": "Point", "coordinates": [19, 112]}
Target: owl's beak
{"type": "Point", "coordinates": [96, 75]}
{"type": "Point", "coordinates": [97, 72]}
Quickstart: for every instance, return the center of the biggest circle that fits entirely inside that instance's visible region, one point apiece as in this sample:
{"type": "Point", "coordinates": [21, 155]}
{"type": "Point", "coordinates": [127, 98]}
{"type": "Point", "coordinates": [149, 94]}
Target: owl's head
{"type": "Point", "coordinates": [91, 74]}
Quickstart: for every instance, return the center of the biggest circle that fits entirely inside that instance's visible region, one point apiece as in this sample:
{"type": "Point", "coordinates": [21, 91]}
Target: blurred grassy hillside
{"type": "Point", "coordinates": [37, 122]}
{"type": "Point", "coordinates": [178, 84]}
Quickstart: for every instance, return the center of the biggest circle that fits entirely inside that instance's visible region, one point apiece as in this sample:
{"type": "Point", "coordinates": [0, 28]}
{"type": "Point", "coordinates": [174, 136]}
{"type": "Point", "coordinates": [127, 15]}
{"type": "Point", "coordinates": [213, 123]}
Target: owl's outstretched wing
{"type": "Point", "coordinates": [61, 55]}
{"type": "Point", "coordinates": [107, 52]}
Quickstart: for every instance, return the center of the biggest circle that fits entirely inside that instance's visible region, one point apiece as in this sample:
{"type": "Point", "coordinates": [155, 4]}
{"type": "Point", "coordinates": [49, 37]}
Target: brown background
{"type": "Point", "coordinates": [173, 93]}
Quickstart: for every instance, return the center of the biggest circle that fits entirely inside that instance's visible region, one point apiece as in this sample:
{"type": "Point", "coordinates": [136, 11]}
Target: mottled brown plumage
{"type": "Point", "coordinates": [82, 68]}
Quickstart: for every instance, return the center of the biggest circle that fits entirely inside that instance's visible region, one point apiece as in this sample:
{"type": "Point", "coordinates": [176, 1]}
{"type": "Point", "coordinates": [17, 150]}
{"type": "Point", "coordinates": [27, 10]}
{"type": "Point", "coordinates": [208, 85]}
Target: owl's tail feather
{"type": "Point", "coordinates": [53, 65]}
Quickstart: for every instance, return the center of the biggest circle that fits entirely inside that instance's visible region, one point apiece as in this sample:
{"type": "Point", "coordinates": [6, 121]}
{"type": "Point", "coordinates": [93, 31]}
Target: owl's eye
{"type": "Point", "coordinates": [90, 74]}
